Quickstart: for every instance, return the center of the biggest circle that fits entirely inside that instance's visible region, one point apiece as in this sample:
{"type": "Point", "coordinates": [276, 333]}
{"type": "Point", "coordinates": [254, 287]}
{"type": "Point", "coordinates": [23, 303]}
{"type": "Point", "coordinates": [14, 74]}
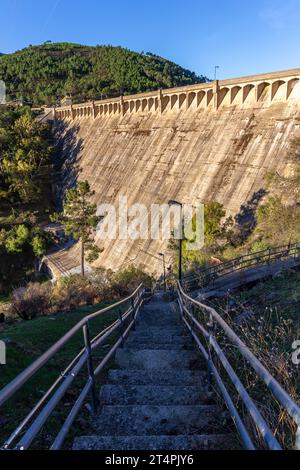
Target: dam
{"type": "Point", "coordinates": [212, 141]}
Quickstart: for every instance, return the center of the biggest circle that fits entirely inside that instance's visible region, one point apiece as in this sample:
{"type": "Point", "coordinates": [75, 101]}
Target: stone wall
{"type": "Point", "coordinates": [242, 92]}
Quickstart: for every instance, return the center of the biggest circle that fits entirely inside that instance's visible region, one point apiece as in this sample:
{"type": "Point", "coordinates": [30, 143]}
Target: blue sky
{"type": "Point", "coordinates": [242, 36]}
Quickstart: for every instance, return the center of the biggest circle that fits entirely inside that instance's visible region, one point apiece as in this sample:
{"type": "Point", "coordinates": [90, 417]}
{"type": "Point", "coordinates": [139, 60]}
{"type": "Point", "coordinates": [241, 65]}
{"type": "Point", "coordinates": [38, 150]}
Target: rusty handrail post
{"type": "Point", "coordinates": [87, 342]}
{"type": "Point", "coordinates": [210, 329]}
{"type": "Point", "coordinates": [133, 311]}
{"type": "Point", "coordinates": [121, 325]}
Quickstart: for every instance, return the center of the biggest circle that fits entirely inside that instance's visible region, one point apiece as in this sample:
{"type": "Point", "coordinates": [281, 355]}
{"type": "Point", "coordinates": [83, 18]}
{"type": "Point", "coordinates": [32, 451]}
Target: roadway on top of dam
{"type": "Point", "coordinates": [249, 89]}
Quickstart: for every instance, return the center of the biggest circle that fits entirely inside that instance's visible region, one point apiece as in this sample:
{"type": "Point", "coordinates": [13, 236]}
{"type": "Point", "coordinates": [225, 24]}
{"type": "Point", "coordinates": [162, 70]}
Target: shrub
{"type": "Point", "coordinates": [101, 279]}
{"type": "Point", "coordinates": [72, 292]}
{"type": "Point", "coordinates": [32, 300]}
{"type": "Point", "coordinates": [277, 223]}
{"type": "Point", "coordinates": [124, 282]}
{"type": "Point", "coordinates": [258, 245]}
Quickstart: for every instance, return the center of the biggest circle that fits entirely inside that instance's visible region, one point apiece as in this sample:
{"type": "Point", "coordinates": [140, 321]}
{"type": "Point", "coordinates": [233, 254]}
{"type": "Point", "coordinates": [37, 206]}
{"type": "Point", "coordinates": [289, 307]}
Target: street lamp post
{"type": "Point", "coordinates": [176, 203]}
{"type": "Point", "coordinates": [164, 266]}
{"type": "Point", "coordinates": [216, 68]}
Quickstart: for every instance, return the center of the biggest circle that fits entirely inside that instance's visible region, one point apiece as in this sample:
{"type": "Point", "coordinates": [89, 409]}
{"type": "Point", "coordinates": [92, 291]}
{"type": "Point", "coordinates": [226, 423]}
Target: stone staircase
{"type": "Point", "coordinates": [158, 398]}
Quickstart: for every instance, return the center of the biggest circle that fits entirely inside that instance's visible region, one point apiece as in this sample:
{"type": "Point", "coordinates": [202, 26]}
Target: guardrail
{"type": "Point", "coordinates": [208, 329]}
{"type": "Point", "coordinates": [203, 277]}
{"type": "Point", "coordinates": [35, 420]}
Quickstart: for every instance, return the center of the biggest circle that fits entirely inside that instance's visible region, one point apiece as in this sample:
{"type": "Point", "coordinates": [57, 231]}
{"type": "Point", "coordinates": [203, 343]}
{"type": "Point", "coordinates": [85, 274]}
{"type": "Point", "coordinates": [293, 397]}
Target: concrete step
{"type": "Point", "coordinates": [157, 331]}
{"type": "Point", "coordinates": [152, 311]}
{"type": "Point", "coordinates": [155, 395]}
{"type": "Point", "coordinates": [158, 338]}
{"type": "Point", "coordinates": [157, 320]}
{"type": "Point", "coordinates": [158, 420]}
{"type": "Point", "coordinates": [157, 359]}
{"type": "Point", "coordinates": [181, 442]}
{"type": "Point", "coordinates": [161, 345]}
{"type": "Point", "coordinates": [165, 307]}
{"type": "Point", "coordinates": [163, 323]}
{"type": "Point", "coordinates": [157, 377]}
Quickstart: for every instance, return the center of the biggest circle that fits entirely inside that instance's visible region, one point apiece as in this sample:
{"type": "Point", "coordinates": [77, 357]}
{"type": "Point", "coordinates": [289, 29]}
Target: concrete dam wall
{"type": "Point", "coordinates": [214, 141]}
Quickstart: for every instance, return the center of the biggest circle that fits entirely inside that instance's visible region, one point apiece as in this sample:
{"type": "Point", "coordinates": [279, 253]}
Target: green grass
{"type": "Point", "coordinates": [28, 340]}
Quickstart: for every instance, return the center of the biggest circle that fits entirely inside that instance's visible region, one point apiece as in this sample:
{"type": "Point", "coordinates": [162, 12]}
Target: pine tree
{"type": "Point", "coordinates": [80, 220]}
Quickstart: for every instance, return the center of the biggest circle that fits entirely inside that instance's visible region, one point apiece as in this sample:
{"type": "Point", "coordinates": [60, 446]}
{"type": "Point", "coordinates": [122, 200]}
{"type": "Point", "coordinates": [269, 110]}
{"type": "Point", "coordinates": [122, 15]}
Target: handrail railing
{"type": "Point", "coordinates": [187, 306]}
{"type": "Point", "coordinates": [37, 417]}
{"type": "Point", "coordinates": [203, 277]}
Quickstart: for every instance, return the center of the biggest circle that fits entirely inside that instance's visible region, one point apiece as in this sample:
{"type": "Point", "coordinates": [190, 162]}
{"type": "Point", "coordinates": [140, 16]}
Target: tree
{"type": "Point", "coordinates": [80, 220]}
{"type": "Point", "coordinates": [24, 237]}
{"type": "Point", "coordinates": [25, 193]}
{"type": "Point", "coordinates": [215, 227]}
{"type": "Point", "coordinates": [25, 152]}
{"type": "Point", "coordinates": [217, 233]}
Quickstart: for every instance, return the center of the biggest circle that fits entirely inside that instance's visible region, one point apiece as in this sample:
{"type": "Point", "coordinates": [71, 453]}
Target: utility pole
{"type": "Point", "coordinates": [216, 69]}
{"type": "Point", "coordinates": [164, 267]}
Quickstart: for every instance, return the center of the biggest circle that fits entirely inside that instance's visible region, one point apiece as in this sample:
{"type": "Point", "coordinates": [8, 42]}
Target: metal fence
{"type": "Point", "coordinates": [203, 277]}
{"type": "Point", "coordinates": [32, 424]}
{"type": "Point", "coordinates": [211, 349]}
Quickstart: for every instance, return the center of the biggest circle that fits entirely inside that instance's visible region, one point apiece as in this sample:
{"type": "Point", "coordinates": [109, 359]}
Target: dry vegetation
{"type": "Point", "coordinates": [267, 319]}
{"type": "Point", "coordinates": [72, 292]}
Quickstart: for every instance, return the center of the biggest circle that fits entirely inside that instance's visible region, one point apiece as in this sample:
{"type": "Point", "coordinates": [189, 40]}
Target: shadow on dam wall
{"type": "Point", "coordinates": [245, 219]}
{"type": "Point", "coordinates": [67, 151]}
{"type": "Point", "coordinates": [192, 155]}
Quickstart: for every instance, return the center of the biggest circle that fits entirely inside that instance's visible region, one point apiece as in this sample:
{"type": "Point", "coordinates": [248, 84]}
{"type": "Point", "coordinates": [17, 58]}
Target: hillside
{"type": "Point", "coordinates": [41, 74]}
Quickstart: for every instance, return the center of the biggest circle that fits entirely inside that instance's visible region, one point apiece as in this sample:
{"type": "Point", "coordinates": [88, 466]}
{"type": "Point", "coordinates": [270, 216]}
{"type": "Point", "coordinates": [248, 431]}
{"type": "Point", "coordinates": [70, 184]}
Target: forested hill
{"type": "Point", "coordinates": [43, 74]}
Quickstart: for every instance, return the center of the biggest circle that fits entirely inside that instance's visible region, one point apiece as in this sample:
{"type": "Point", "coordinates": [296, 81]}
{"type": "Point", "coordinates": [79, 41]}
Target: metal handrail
{"type": "Point", "coordinates": [266, 256]}
{"type": "Point", "coordinates": [62, 375]}
{"type": "Point", "coordinates": [207, 331]}
{"type": "Point", "coordinates": [54, 394]}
